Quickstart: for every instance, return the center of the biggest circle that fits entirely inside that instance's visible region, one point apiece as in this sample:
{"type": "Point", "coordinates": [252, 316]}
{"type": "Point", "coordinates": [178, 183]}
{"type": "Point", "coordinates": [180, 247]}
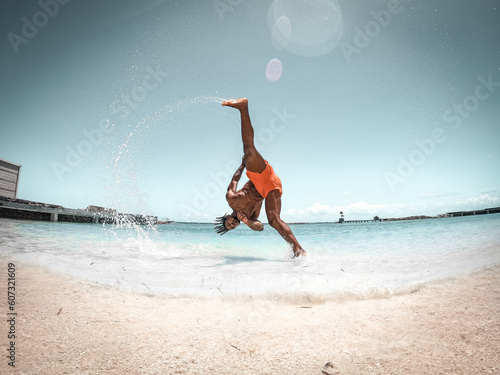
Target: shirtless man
{"type": "Point", "coordinates": [264, 184]}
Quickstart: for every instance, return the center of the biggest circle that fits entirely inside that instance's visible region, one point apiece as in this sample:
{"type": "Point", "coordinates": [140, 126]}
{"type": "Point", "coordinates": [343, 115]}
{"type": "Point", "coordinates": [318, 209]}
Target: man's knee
{"type": "Point", "coordinates": [274, 221]}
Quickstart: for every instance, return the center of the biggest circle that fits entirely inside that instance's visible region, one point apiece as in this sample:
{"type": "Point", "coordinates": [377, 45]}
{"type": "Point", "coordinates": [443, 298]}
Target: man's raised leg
{"type": "Point", "coordinates": [254, 162]}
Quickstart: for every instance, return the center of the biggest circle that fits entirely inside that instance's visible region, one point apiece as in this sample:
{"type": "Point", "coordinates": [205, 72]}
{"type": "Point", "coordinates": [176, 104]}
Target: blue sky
{"type": "Point", "coordinates": [387, 108]}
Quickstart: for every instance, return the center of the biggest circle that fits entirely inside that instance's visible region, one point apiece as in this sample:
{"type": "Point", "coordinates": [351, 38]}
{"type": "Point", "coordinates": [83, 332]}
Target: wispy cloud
{"type": "Point", "coordinates": [481, 200]}
{"type": "Point", "coordinates": [491, 191]}
{"type": "Point", "coordinates": [434, 194]}
{"type": "Point", "coordinates": [438, 194]}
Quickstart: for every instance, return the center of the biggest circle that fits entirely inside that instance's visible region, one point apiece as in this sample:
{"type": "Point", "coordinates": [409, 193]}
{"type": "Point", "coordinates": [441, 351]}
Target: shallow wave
{"type": "Point", "coordinates": [344, 262]}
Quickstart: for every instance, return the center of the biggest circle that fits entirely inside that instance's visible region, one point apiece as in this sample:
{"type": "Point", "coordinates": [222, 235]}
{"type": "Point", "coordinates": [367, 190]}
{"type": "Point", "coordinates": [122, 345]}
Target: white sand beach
{"type": "Point", "coordinates": [69, 326]}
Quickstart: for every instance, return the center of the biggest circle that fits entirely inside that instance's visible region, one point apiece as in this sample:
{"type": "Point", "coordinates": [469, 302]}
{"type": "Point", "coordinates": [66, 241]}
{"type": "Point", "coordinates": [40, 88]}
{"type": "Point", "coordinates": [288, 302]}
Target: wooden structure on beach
{"type": "Point", "coordinates": [27, 210]}
{"type": "Point", "coordinates": [9, 178]}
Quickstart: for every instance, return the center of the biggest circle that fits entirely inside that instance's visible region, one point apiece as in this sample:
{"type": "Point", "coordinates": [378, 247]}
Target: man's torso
{"type": "Point", "coordinates": [248, 200]}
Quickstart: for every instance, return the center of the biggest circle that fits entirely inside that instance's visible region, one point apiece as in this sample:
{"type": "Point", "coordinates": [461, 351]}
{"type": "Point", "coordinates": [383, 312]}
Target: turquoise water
{"type": "Point", "coordinates": [346, 260]}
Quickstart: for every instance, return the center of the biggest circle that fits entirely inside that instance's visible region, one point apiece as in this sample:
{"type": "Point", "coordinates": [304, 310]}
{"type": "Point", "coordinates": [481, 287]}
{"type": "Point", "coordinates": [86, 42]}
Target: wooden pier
{"type": "Point", "coordinates": [28, 210]}
{"type": "Point", "coordinates": [355, 221]}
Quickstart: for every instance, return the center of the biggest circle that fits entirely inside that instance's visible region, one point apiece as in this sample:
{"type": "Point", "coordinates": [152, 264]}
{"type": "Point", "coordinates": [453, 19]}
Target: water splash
{"type": "Point", "coordinates": [123, 192]}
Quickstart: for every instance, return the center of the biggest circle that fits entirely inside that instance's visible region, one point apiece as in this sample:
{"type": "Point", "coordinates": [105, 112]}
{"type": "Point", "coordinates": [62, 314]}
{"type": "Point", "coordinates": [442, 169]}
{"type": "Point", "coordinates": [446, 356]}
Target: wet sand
{"type": "Point", "coordinates": [68, 326]}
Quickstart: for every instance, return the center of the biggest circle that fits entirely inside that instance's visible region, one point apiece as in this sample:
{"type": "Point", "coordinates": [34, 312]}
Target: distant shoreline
{"type": "Point", "coordinates": [408, 218]}
{"type": "Point", "coordinates": [12, 208]}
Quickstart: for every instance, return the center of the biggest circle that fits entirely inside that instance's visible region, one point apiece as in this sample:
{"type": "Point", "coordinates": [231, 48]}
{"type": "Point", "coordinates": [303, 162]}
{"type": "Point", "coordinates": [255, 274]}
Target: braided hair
{"type": "Point", "coordinates": [220, 224]}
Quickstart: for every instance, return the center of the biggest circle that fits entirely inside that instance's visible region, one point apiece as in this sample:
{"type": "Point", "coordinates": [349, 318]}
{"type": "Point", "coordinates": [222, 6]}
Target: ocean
{"type": "Point", "coordinates": [346, 261]}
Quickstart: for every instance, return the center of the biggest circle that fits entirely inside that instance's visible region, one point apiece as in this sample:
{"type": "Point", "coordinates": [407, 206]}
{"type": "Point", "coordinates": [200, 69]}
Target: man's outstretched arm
{"type": "Point", "coordinates": [233, 185]}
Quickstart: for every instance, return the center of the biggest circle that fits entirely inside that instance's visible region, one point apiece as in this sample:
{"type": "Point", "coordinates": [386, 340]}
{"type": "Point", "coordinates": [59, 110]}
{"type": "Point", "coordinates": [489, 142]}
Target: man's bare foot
{"type": "Point", "coordinates": [240, 104]}
{"type": "Point", "coordinates": [298, 253]}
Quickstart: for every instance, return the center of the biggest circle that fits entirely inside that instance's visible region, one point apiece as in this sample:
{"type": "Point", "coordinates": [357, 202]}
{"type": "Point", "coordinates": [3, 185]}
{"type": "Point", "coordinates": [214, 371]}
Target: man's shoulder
{"type": "Point", "coordinates": [234, 197]}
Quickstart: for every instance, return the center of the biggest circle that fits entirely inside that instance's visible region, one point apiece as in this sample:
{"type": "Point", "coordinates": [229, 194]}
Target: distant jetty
{"type": "Point", "coordinates": [342, 221]}
{"type": "Point", "coordinates": [486, 211]}
{"type": "Point", "coordinates": [162, 222]}
{"type": "Point", "coordinates": [28, 210]}
{"type": "Point", "coordinates": [418, 217]}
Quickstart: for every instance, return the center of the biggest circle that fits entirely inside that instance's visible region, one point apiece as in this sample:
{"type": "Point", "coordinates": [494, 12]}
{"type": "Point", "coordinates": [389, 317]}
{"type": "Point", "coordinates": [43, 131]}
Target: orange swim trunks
{"type": "Point", "coordinates": [266, 181]}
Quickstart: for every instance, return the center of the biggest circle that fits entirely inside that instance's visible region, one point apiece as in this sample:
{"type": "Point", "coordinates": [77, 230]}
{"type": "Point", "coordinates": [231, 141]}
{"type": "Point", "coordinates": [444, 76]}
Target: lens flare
{"type": "Point", "coordinates": [305, 27]}
{"type": "Point", "coordinates": [281, 32]}
{"type": "Point", "coordinates": [274, 70]}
